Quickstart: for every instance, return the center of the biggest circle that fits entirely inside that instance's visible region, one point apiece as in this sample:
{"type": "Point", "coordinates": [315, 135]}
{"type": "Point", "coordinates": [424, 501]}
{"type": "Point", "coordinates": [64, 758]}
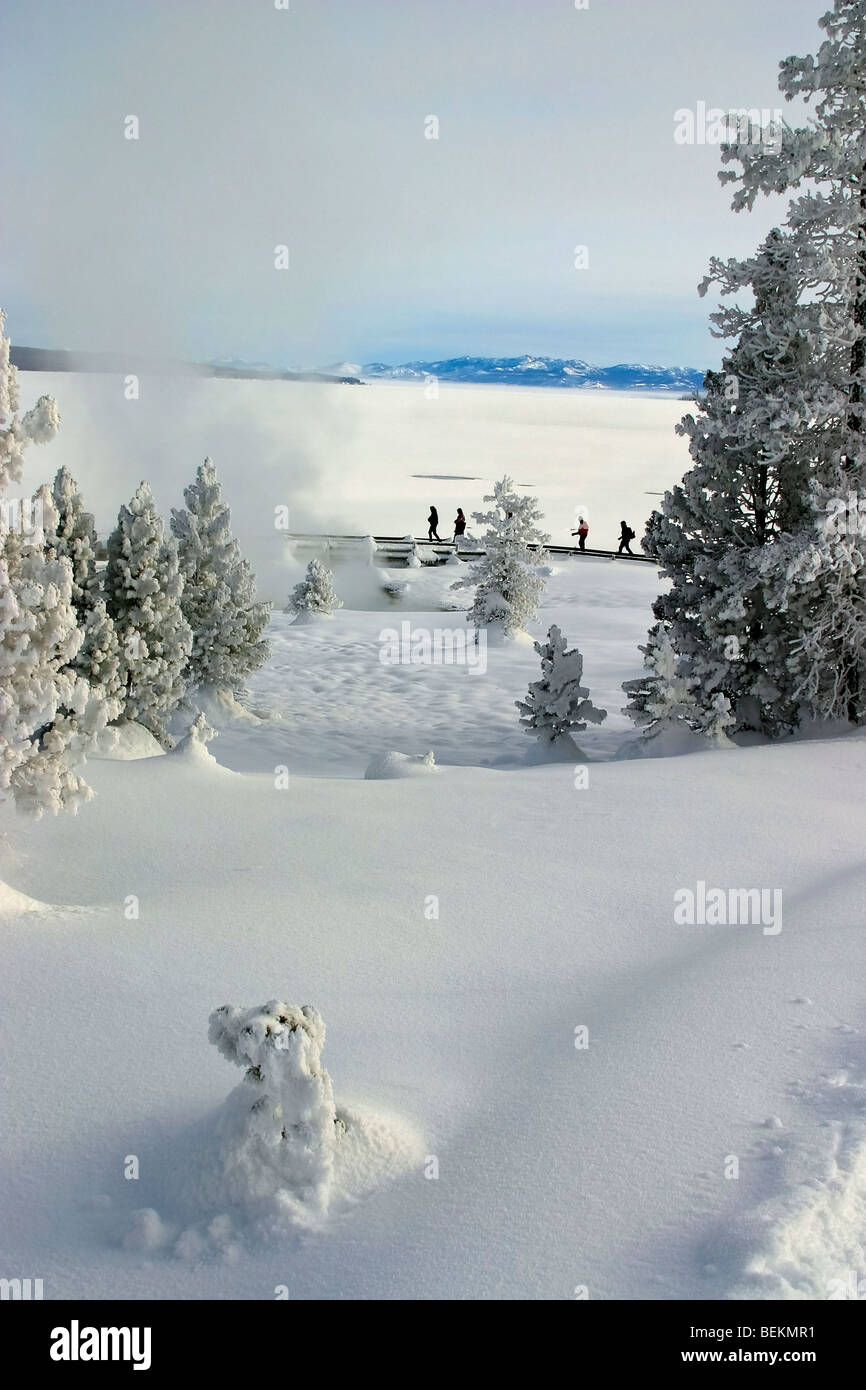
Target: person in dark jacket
{"type": "Point", "coordinates": [433, 524]}
{"type": "Point", "coordinates": [459, 523]}
{"type": "Point", "coordinates": [626, 535]}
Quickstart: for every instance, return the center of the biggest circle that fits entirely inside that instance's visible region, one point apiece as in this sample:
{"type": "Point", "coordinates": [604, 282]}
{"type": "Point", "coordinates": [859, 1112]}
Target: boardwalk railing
{"type": "Point", "coordinates": [400, 550]}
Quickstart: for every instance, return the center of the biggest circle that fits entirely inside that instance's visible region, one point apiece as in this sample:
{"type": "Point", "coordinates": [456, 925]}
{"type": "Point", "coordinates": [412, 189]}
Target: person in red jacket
{"type": "Point", "coordinates": [582, 532]}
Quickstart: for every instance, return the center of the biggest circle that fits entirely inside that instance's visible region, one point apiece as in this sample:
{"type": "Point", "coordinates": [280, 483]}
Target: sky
{"type": "Point", "coordinates": [306, 128]}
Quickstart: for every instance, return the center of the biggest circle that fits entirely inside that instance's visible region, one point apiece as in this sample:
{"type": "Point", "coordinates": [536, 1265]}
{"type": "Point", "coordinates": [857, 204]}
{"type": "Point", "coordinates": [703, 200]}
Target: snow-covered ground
{"type": "Point", "coordinates": [556, 1085]}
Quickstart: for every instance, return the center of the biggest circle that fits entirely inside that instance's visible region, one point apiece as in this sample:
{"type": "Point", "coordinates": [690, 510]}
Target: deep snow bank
{"type": "Point", "coordinates": [463, 936]}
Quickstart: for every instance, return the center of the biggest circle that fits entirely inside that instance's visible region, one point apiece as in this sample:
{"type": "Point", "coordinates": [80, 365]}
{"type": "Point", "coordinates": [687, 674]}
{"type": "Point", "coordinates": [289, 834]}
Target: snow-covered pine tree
{"type": "Point", "coordinates": [143, 587]}
{"type": "Point", "coordinates": [507, 582]}
{"type": "Point", "coordinates": [716, 720]}
{"type": "Point", "coordinates": [75, 538]}
{"type": "Point", "coordinates": [99, 658]}
{"type": "Point", "coordinates": [820, 578]}
{"type": "Point", "coordinates": [37, 426]}
{"type": "Point", "coordinates": [219, 595]}
{"type": "Point", "coordinates": [797, 599]}
{"type": "Point", "coordinates": [49, 716]}
{"type": "Point", "coordinates": [747, 489]}
{"type": "Point", "coordinates": [662, 700]}
{"type": "Point", "coordinates": [315, 594]}
{"type": "Point", "coordinates": [558, 705]}
{"type": "Point", "coordinates": [69, 534]}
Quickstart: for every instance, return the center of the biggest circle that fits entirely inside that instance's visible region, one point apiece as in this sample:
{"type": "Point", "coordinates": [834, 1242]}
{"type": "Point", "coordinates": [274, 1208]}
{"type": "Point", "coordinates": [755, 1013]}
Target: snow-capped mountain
{"type": "Point", "coordinates": [543, 371]}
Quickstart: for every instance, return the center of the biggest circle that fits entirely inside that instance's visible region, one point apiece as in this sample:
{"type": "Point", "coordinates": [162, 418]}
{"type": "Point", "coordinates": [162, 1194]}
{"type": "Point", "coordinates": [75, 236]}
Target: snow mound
{"type": "Point", "coordinates": [816, 1244]}
{"type": "Point", "coordinates": [670, 743]}
{"type": "Point", "coordinates": [192, 748]}
{"type": "Point", "coordinates": [127, 742]}
{"type": "Point", "coordinates": [15, 904]}
{"type": "Point", "coordinates": [557, 750]}
{"type": "Point", "coordinates": [394, 588]}
{"type": "Point", "coordinates": [307, 618]}
{"type": "Point", "coordinates": [389, 765]}
{"type": "Point", "coordinates": [222, 709]}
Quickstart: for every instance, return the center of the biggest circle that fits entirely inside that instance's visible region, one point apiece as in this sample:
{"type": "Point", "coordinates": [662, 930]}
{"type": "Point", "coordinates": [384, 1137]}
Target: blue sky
{"type": "Point", "coordinates": [262, 127]}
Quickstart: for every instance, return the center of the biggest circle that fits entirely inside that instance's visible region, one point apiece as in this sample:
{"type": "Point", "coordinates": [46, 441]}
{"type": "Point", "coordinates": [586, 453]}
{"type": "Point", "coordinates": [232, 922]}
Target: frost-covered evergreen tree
{"type": "Point", "coordinates": [99, 657]}
{"type": "Point", "coordinates": [507, 582]}
{"type": "Point", "coordinates": [315, 594]}
{"type": "Point", "coordinates": [662, 699]}
{"type": "Point", "coordinates": [37, 426]}
{"type": "Point", "coordinates": [143, 587]}
{"type": "Point", "coordinates": [790, 594]}
{"type": "Point", "coordinates": [716, 721]}
{"type": "Point", "coordinates": [49, 715]}
{"type": "Point", "coordinates": [748, 489]}
{"type": "Point", "coordinates": [75, 538]}
{"type": "Point", "coordinates": [558, 705]}
{"type": "Point", "coordinates": [69, 534]}
{"type": "Point", "coordinates": [219, 595]}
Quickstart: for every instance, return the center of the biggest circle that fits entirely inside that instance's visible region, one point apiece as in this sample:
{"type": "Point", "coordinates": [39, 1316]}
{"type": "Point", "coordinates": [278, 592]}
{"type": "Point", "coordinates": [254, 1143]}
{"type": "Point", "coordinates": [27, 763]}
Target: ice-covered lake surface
{"type": "Point", "coordinates": [551, 1087]}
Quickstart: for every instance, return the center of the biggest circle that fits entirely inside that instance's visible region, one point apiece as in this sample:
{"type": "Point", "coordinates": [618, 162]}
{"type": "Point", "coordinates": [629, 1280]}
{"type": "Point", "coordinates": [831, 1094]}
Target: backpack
{"type": "Point", "coordinates": [630, 533]}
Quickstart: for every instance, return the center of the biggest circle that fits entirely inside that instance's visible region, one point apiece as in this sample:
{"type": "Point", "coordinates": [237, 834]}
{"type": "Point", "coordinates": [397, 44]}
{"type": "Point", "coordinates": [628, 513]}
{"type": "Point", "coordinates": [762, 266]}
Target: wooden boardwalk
{"type": "Point", "coordinates": [399, 550]}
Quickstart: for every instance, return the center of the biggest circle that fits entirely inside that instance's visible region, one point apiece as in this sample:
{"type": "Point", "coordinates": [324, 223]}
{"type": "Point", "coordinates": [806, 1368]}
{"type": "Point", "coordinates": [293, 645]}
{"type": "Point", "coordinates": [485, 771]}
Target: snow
{"type": "Point", "coordinates": [456, 936]}
{"type": "Point", "coordinates": [127, 741]}
{"type": "Point", "coordinates": [389, 765]}
{"type": "Point", "coordinates": [192, 748]}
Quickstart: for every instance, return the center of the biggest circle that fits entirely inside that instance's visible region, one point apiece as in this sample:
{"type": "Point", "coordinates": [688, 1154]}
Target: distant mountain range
{"type": "Point", "coordinates": [516, 371]}
{"type": "Point", "coordinates": [536, 371]}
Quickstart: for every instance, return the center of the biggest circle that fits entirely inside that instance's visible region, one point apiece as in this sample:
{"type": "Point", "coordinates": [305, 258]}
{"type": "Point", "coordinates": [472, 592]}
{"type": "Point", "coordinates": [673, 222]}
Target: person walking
{"type": "Point", "coordinates": [582, 532]}
{"type": "Point", "coordinates": [626, 535]}
{"type": "Point", "coordinates": [459, 523]}
{"type": "Point", "coordinates": [433, 524]}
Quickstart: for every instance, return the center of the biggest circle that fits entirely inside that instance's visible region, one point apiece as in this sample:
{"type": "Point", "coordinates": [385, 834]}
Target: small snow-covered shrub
{"type": "Point", "coordinates": [663, 698]}
{"type": "Point", "coordinates": [315, 594]}
{"type": "Point", "coordinates": [507, 580]}
{"type": "Point", "coordinates": [558, 705]}
{"type": "Point", "coordinates": [280, 1127]}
